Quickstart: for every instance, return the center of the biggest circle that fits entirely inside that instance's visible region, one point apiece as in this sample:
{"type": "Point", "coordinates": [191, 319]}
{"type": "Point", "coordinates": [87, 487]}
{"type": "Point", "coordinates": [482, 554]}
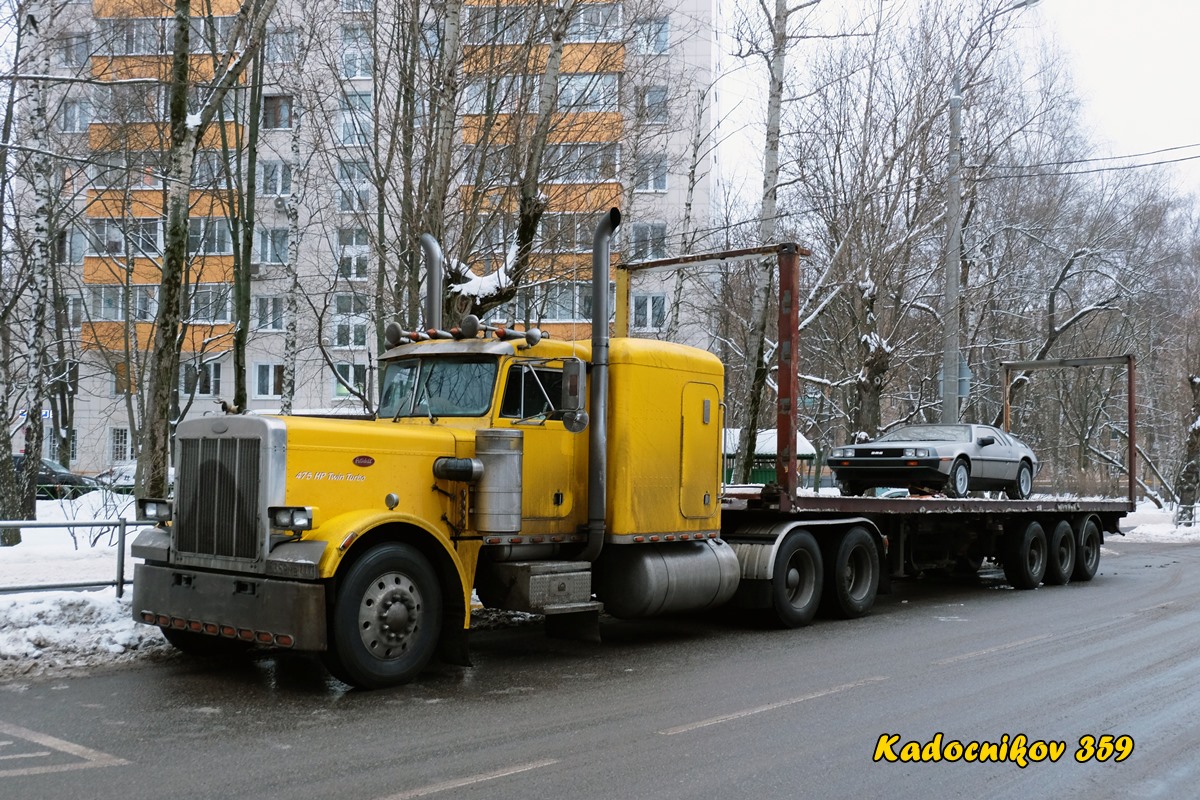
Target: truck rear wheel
{"type": "Point", "coordinates": [796, 580]}
{"type": "Point", "coordinates": [852, 575]}
{"type": "Point", "coordinates": [1025, 557]}
{"type": "Point", "coordinates": [386, 618]}
{"type": "Point", "coordinates": [1087, 552]}
{"type": "Point", "coordinates": [1060, 550]}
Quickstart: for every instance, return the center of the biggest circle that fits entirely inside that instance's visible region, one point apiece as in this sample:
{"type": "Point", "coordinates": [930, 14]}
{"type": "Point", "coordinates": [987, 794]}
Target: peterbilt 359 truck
{"type": "Point", "coordinates": [555, 477]}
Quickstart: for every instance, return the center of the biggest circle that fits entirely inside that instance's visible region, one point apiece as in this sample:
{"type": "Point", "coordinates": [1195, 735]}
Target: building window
{"type": "Point", "coordinates": [647, 240]}
{"type": "Point", "coordinates": [277, 112]}
{"type": "Point", "coordinates": [349, 320]}
{"type": "Point", "coordinates": [279, 46]}
{"type": "Point", "coordinates": [350, 375]}
{"type": "Point", "coordinates": [581, 162]}
{"type": "Point", "coordinates": [595, 22]}
{"type": "Point", "coordinates": [76, 50]}
{"type": "Point", "coordinates": [651, 173]}
{"type": "Point", "coordinates": [274, 178]}
{"type": "Point", "coordinates": [562, 301]}
{"type": "Point", "coordinates": [210, 34]}
{"type": "Point", "coordinates": [358, 6]}
{"type": "Point", "coordinates": [70, 246]}
{"type": "Point", "coordinates": [52, 446]}
{"type": "Point", "coordinates": [354, 184]}
{"type": "Point", "coordinates": [652, 104]}
{"type": "Point", "coordinates": [357, 57]}
{"type": "Point", "coordinates": [509, 23]}
{"type": "Point", "coordinates": [652, 36]}
{"type": "Point", "coordinates": [107, 302]}
{"type": "Point", "coordinates": [268, 380]}
{"type": "Point", "coordinates": [137, 170]}
{"type": "Point", "coordinates": [566, 233]}
{"type": "Point", "coordinates": [120, 448]}
{"type": "Point", "coordinates": [127, 36]}
{"type": "Point", "coordinates": [353, 253]}
{"type": "Point", "coordinates": [75, 116]}
{"type": "Point", "coordinates": [135, 237]}
{"type": "Point", "coordinates": [201, 380]}
{"type": "Point", "coordinates": [501, 94]}
{"type": "Point", "coordinates": [585, 91]}
{"type": "Point", "coordinates": [209, 237]}
{"type": "Point", "coordinates": [355, 118]}
{"type": "Point", "coordinates": [210, 304]}
{"type": "Point", "coordinates": [268, 313]}
{"type": "Point", "coordinates": [124, 382]}
{"type": "Point", "coordinates": [649, 312]}
{"type": "Point", "coordinates": [212, 168]}
{"type": "Point", "coordinates": [273, 245]}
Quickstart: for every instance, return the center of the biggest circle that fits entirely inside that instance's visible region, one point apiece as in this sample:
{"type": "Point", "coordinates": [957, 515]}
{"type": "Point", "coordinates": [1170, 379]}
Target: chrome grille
{"type": "Point", "coordinates": [217, 497]}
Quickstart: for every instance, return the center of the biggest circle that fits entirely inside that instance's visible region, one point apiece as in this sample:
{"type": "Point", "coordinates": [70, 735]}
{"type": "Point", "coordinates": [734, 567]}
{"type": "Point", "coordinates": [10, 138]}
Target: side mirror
{"type": "Point", "coordinates": [574, 395]}
{"type": "Point", "coordinates": [984, 441]}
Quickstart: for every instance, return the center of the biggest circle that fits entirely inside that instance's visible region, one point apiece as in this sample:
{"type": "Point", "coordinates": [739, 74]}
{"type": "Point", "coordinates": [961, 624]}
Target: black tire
{"type": "Point", "coordinates": [386, 619]}
{"type": "Point", "coordinates": [852, 575]}
{"type": "Point", "coordinates": [958, 483]}
{"type": "Point", "coordinates": [205, 645]}
{"type": "Point", "coordinates": [1087, 552]}
{"type": "Point", "coordinates": [849, 489]}
{"type": "Point", "coordinates": [1060, 554]}
{"type": "Point", "coordinates": [1022, 487]}
{"type": "Point", "coordinates": [796, 580]}
{"type": "Point", "coordinates": [1025, 557]}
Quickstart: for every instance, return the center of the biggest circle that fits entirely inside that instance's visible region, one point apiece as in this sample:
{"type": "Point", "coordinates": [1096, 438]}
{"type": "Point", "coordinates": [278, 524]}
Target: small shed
{"type": "Point", "coordinates": [765, 450]}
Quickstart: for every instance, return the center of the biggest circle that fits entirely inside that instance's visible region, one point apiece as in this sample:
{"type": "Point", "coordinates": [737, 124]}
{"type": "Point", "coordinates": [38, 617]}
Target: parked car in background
{"type": "Point", "coordinates": [121, 478]}
{"type": "Point", "coordinates": [953, 459]}
{"type": "Point", "coordinates": [56, 482]}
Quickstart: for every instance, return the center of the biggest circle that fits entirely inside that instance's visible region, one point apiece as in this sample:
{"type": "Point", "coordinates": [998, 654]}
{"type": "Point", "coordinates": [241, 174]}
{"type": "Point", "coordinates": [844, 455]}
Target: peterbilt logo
{"type": "Point", "coordinates": [363, 461]}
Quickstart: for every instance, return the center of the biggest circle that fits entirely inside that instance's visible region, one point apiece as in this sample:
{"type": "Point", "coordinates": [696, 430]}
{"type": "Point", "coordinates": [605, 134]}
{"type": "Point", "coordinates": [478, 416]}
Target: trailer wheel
{"type": "Point", "coordinates": [1060, 550]}
{"type": "Point", "coordinates": [1025, 557]}
{"type": "Point", "coordinates": [852, 575]}
{"type": "Point", "coordinates": [796, 580]}
{"type": "Point", "coordinates": [1087, 552]}
{"type": "Point", "coordinates": [959, 482]}
{"type": "Point", "coordinates": [203, 644]}
{"type": "Point", "coordinates": [1022, 487]}
{"type": "Point", "coordinates": [385, 621]}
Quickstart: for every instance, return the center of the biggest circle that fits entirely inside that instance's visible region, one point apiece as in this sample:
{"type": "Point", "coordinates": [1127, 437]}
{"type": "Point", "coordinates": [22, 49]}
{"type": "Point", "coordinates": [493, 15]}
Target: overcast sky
{"type": "Point", "coordinates": [1135, 65]}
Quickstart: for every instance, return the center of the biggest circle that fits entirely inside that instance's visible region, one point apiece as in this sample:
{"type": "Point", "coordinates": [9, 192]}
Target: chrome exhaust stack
{"type": "Point", "coordinates": [598, 436]}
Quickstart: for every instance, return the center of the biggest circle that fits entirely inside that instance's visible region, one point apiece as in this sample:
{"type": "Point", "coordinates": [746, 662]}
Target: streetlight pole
{"type": "Point", "coordinates": [951, 332]}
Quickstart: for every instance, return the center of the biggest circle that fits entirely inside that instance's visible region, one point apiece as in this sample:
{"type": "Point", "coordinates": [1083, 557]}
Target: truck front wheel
{"type": "Point", "coordinates": [796, 580]}
{"type": "Point", "coordinates": [386, 618]}
{"type": "Point", "coordinates": [852, 580]}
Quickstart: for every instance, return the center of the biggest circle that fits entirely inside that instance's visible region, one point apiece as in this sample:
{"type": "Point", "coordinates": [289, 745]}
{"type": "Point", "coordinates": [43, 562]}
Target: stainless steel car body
{"type": "Point", "coordinates": [950, 458]}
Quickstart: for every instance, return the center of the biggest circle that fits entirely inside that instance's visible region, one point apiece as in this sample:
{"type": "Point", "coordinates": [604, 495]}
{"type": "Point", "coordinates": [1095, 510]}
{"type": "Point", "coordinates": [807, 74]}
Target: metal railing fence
{"type": "Point", "coordinates": [120, 523]}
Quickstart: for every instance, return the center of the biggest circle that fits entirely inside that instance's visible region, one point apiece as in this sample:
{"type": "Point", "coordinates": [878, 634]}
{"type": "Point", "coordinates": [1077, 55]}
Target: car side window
{"type": "Point", "coordinates": [531, 392]}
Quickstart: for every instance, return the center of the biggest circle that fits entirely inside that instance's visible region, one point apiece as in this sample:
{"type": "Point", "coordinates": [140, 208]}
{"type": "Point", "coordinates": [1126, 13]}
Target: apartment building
{"type": "Point", "coordinates": [334, 130]}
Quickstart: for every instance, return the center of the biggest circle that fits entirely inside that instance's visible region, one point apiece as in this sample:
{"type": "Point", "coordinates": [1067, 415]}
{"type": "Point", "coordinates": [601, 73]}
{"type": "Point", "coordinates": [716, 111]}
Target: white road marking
{"type": "Point", "coordinates": [91, 758]}
{"type": "Point", "coordinates": [471, 781]}
{"type": "Point", "coordinates": [769, 707]}
{"type": "Point", "coordinates": [997, 649]}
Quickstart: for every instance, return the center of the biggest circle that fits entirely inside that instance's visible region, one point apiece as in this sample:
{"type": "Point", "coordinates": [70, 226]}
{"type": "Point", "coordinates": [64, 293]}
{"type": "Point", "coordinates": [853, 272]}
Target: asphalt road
{"type": "Point", "coordinates": [681, 708]}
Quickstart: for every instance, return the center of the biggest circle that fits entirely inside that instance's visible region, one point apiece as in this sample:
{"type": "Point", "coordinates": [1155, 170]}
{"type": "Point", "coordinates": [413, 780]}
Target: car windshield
{"type": "Point", "coordinates": [928, 433]}
{"type": "Point", "coordinates": [433, 387]}
{"type": "Point", "coordinates": [54, 466]}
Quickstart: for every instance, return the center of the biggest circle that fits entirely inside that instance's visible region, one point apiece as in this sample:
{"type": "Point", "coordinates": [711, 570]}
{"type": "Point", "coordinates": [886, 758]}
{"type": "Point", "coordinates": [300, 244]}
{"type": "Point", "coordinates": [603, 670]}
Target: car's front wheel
{"type": "Point", "coordinates": [959, 481]}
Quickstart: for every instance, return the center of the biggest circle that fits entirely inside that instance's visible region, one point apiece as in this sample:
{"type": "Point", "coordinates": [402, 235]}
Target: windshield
{"type": "Point", "coordinates": [929, 433]}
{"type": "Point", "coordinates": [435, 387]}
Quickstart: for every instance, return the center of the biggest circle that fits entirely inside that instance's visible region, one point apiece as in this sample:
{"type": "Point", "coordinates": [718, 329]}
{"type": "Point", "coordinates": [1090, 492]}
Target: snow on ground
{"type": "Point", "coordinates": [47, 631]}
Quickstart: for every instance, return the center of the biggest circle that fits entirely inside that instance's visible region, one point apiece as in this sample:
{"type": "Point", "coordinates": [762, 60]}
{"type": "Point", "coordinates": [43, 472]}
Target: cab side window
{"type": "Point", "coordinates": [531, 392]}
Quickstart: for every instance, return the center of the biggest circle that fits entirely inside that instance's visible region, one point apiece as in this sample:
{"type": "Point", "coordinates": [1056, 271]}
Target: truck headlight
{"type": "Point", "coordinates": [291, 518]}
{"type": "Point", "coordinates": [152, 508]}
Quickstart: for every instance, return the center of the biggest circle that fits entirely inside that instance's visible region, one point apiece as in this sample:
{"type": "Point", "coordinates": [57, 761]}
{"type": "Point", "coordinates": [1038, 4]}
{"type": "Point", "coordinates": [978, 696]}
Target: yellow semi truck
{"type": "Point", "coordinates": [560, 478]}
